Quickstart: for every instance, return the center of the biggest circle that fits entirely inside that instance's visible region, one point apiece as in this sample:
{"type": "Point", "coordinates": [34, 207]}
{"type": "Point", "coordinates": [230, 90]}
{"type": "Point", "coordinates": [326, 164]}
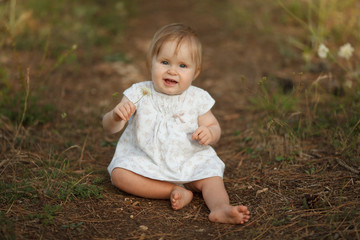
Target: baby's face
{"type": "Point", "coordinates": [172, 73]}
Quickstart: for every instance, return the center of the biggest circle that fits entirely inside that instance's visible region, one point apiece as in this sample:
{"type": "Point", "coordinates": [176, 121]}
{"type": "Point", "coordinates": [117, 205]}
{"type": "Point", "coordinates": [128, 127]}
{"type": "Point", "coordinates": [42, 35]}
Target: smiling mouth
{"type": "Point", "coordinates": [170, 82]}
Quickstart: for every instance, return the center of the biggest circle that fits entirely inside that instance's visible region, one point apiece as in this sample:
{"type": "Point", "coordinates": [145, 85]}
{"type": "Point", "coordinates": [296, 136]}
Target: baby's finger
{"type": "Point", "coordinates": [127, 109]}
{"type": "Point", "coordinates": [132, 107]}
{"type": "Point", "coordinates": [125, 113]}
{"type": "Point", "coordinates": [195, 135]}
{"type": "Point", "coordinates": [204, 141]}
{"type": "Point", "coordinates": [202, 134]}
{"type": "Point", "coordinates": [118, 115]}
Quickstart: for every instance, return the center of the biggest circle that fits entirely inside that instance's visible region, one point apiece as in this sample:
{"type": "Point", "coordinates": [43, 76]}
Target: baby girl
{"type": "Point", "coordinates": [165, 152]}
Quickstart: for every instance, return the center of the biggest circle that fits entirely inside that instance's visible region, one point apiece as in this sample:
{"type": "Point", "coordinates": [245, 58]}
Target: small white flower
{"type": "Point", "coordinates": [346, 51]}
{"type": "Point", "coordinates": [146, 91]}
{"type": "Point", "coordinates": [323, 51]}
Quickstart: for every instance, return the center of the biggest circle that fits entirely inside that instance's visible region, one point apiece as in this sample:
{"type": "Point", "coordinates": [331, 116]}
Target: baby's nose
{"type": "Point", "coordinates": [172, 71]}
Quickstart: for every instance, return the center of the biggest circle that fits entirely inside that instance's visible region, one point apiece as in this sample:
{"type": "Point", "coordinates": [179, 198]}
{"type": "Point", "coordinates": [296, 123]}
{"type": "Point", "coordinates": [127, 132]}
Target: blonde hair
{"type": "Point", "coordinates": [175, 32]}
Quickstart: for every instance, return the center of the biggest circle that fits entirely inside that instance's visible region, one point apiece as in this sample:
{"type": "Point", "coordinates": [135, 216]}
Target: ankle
{"type": "Point", "coordinates": [219, 206]}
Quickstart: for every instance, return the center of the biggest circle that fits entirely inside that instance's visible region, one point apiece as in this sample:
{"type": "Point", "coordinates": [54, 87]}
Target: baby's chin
{"type": "Point", "coordinates": [169, 91]}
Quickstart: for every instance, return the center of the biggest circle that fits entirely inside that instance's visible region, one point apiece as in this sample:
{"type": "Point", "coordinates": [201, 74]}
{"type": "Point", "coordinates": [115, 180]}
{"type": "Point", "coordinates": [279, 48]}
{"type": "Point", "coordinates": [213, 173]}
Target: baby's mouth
{"type": "Point", "coordinates": [170, 82]}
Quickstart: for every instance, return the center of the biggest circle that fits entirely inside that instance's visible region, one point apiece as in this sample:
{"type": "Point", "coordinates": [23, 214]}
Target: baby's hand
{"type": "Point", "coordinates": [123, 111]}
{"type": "Point", "coordinates": [203, 135]}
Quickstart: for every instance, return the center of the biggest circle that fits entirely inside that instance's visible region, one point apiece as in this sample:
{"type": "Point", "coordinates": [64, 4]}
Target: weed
{"type": "Point", "coordinates": [288, 119]}
{"type": "Point", "coordinates": [324, 34]}
{"type": "Point", "coordinates": [7, 228]}
{"type": "Point", "coordinates": [98, 180]}
{"type": "Point", "coordinates": [64, 56]}
{"type": "Point", "coordinates": [318, 18]}
{"type": "Point", "coordinates": [11, 192]}
{"type": "Point", "coordinates": [73, 226]}
{"type": "Point", "coordinates": [274, 103]}
{"type": "Point", "coordinates": [22, 107]}
{"type": "Point", "coordinates": [70, 190]}
{"type": "Point", "coordinates": [47, 215]}
{"type": "Point", "coordinates": [347, 214]}
{"type": "Point", "coordinates": [311, 171]}
{"type": "Point", "coordinates": [36, 113]}
{"type": "Point", "coordinates": [104, 143]}
{"type": "Point", "coordinates": [35, 22]}
{"type": "Point", "coordinates": [281, 221]}
{"type": "Point", "coordinates": [284, 159]}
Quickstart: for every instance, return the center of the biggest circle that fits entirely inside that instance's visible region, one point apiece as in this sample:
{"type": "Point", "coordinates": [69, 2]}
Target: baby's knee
{"type": "Point", "coordinates": [119, 176]}
{"type": "Point", "coordinates": [199, 184]}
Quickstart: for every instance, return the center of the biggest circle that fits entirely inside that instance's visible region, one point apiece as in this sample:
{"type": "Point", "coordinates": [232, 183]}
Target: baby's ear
{"type": "Point", "coordinates": [197, 73]}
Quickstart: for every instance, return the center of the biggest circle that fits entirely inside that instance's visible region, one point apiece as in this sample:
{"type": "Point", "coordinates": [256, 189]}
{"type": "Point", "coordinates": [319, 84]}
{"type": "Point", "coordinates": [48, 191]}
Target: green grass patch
{"type": "Point", "coordinates": [7, 227]}
{"type": "Point", "coordinates": [12, 106]}
{"type": "Point", "coordinates": [11, 192]}
{"type": "Point", "coordinates": [70, 190]}
{"type": "Point", "coordinates": [64, 23]}
{"type": "Point", "coordinates": [46, 216]}
{"type": "Point", "coordinates": [312, 112]}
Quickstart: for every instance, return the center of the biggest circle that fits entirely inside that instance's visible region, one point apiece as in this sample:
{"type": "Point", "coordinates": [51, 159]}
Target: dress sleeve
{"type": "Point", "coordinates": [137, 91]}
{"type": "Point", "coordinates": [205, 102]}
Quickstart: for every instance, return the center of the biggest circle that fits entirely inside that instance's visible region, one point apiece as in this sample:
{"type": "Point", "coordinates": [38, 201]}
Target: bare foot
{"type": "Point", "coordinates": [180, 197]}
{"type": "Point", "coordinates": [230, 214]}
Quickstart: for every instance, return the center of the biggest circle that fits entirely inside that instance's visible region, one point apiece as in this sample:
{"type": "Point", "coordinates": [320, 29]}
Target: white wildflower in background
{"type": "Point", "coordinates": [323, 51]}
{"type": "Point", "coordinates": [346, 51]}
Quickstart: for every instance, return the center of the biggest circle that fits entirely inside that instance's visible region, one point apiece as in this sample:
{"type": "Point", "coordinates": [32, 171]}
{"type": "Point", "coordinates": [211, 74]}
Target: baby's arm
{"type": "Point", "coordinates": [209, 130]}
{"type": "Point", "coordinates": [116, 119]}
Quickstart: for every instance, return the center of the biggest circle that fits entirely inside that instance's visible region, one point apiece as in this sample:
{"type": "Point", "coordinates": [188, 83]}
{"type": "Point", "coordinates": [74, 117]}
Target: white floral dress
{"type": "Point", "coordinates": [157, 143]}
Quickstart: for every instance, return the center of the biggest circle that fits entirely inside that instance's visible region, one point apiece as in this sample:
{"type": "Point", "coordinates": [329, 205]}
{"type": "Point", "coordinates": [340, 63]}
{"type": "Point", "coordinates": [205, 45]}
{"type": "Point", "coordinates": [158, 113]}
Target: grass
{"type": "Point", "coordinates": [7, 229]}
{"type": "Point", "coordinates": [334, 118]}
{"type": "Point", "coordinates": [46, 216]}
{"type": "Point", "coordinates": [50, 174]}
{"type": "Point", "coordinates": [52, 178]}
{"type": "Point", "coordinates": [34, 23]}
{"type": "Point", "coordinates": [324, 20]}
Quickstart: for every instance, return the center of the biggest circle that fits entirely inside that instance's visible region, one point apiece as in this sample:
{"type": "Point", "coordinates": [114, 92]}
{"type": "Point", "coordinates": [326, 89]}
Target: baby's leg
{"type": "Point", "coordinates": [217, 199]}
{"type": "Point", "coordinates": [141, 186]}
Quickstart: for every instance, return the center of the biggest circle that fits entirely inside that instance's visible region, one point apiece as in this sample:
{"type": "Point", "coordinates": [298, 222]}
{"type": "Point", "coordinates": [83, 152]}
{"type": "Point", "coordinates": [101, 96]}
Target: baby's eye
{"type": "Point", "coordinates": [183, 66]}
{"type": "Point", "coordinates": [165, 62]}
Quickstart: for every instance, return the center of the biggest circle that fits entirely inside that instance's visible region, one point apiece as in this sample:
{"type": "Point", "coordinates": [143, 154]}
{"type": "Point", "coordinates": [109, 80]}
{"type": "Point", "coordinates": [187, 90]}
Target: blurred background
{"type": "Point", "coordinates": [285, 75]}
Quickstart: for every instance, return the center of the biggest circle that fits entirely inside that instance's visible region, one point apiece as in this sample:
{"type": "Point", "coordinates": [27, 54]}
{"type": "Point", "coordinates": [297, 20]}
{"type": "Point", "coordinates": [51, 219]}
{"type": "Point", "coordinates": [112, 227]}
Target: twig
{"type": "Point", "coordinates": [197, 213]}
{"type": "Point", "coordinates": [83, 148]}
{"type": "Point", "coordinates": [3, 162]}
{"type": "Point", "coordinates": [351, 169]}
{"type": "Point", "coordinates": [261, 234]}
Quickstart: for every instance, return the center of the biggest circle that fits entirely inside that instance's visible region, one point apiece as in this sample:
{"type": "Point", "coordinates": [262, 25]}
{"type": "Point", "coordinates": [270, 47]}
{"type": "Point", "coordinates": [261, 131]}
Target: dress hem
{"type": "Point", "coordinates": [166, 180]}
